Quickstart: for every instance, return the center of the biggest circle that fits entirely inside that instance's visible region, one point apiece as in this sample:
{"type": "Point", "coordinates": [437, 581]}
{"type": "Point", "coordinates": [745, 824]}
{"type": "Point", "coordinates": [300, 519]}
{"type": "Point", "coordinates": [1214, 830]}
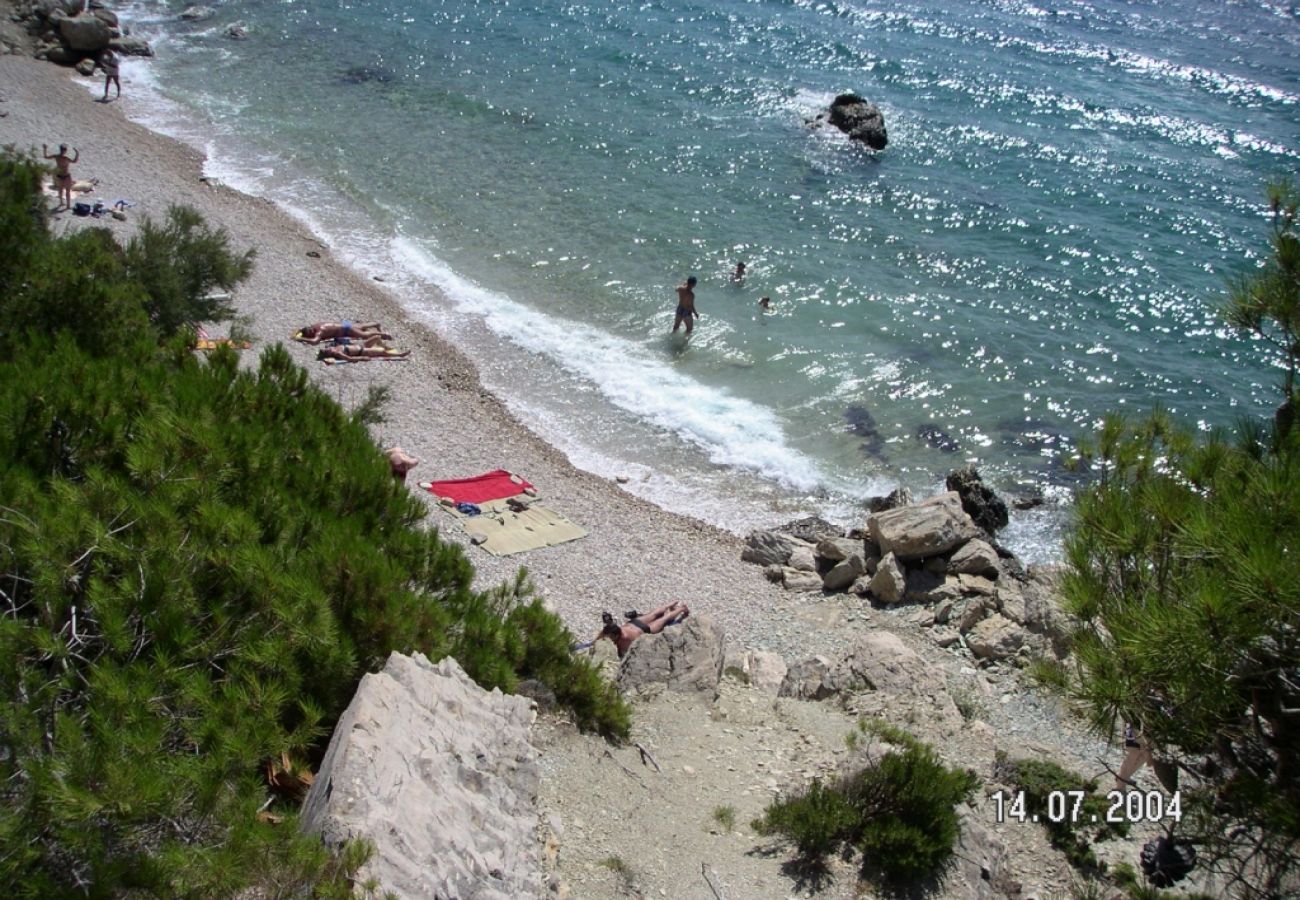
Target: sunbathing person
{"type": "Point", "coordinates": [653, 623]}
{"type": "Point", "coordinates": [357, 353]}
{"type": "Point", "coordinates": [400, 462]}
{"type": "Point", "coordinates": [328, 331]}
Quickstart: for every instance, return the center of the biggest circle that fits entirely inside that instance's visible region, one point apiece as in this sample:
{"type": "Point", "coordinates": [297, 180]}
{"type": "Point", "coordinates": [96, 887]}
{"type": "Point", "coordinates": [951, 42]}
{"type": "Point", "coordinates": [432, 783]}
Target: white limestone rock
{"type": "Point", "coordinates": [439, 775]}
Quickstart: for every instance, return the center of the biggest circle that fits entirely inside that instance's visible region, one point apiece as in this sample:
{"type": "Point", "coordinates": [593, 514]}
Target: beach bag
{"type": "Point", "coordinates": [81, 209]}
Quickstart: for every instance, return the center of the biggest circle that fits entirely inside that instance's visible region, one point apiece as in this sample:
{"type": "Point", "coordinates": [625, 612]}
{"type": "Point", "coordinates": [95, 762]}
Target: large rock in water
{"type": "Point", "coordinates": [986, 509]}
{"type": "Point", "coordinates": [929, 528]}
{"type": "Point", "coordinates": [440, 776]}
{"type": "Point", "coordinates": [685, 657]}
{"type": "Point", "coordinates": [860, 120]}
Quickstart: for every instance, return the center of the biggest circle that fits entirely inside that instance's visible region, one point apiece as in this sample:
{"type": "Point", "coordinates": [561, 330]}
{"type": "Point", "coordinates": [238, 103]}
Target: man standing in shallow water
{"type": "Point", "coordinates": [686, 306]}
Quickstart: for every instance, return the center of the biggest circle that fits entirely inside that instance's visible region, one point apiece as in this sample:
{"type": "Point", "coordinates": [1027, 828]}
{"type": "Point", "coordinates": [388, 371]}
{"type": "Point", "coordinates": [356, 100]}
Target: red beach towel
{"type": "Point", "coordinates": [479, 489]}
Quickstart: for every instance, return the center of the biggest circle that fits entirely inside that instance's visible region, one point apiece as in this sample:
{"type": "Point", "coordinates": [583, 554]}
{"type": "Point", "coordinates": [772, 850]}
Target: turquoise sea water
{"type": "Point", "coordinates": [1046, 238]}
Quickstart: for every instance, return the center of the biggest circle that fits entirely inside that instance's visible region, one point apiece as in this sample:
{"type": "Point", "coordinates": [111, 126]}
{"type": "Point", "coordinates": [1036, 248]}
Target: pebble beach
{"type": "Point", "coordinates": [636, 555]}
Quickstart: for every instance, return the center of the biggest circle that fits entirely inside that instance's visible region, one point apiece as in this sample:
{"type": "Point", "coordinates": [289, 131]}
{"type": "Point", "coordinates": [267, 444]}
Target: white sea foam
{"type": "Point", "coordinates": [730, 430]}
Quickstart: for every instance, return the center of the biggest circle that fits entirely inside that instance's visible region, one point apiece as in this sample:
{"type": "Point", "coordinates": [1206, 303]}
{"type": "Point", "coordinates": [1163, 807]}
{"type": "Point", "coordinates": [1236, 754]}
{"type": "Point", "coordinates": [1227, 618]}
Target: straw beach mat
{"type": "Point", "coordinates": [511, 518]}
{"type": "Point", "coordinates": [502, 531]}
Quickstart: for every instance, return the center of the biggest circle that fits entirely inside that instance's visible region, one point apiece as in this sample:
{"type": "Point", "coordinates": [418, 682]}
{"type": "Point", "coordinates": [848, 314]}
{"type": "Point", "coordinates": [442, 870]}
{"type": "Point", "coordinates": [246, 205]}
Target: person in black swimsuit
{"type": "Point", "coordinates": [652, 623]}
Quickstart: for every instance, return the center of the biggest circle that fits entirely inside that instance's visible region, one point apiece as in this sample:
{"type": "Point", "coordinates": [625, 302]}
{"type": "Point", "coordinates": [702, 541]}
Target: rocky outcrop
{"type": "Point", "coordinates": [762, 670]}
{"type": "Point", "coordinates": [85, 34]}
{"type": "Point", "coordinates": [930, 554]}
{"type": "Point", "coordinates": [811, 529]}
{"type": "Point", "coordinates": [68, 33]}
{"type": "Point", "coordinates": [685, 657]}
{"type": "Point", "coordinates": [440, 777]}
{"type": "Point", "coordinates": [808, 679]}
{"type": "Point", "coordinates": [928, 528]}
{"type": "Point", "coordinates": [769, 548]}
{"type": "Point", "coordinates": [890, 581]}
{"type": "Point", "coordinates": [975, 557]}
{"type": "Point", "coordinates": [860, 120]}
{"type": "Point", "coordinates": [987, 510]}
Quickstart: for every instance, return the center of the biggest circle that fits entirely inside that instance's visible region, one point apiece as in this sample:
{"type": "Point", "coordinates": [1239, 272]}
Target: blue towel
{"type": "Point", "coordinates": [468, 509]}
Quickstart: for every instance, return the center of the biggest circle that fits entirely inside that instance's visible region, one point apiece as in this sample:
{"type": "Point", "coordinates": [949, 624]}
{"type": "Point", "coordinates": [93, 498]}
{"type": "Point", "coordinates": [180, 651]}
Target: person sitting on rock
{"type": "Point", "coordinates": [653, 623]}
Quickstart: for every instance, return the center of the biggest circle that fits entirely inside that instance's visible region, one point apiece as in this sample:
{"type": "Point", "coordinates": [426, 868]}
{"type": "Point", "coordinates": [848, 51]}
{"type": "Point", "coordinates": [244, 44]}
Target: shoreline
{"type": "Point", "coordinates": [636, 554]}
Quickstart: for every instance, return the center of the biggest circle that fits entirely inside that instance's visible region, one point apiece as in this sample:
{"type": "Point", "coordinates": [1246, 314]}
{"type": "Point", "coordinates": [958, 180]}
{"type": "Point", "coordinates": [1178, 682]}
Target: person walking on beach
{"type": "Point", "coordinates": [62, 173]}
{"type": "Point", "coordinates": [686, 306]}
{"type": "Point", "coordinates": [108, 62]}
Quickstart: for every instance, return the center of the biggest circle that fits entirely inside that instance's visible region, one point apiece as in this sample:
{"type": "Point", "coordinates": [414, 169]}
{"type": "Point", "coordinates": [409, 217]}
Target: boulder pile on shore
{"type": "Point", "coordinates": [76, 32]}
{"type": "Point", "coordinates": [939, 554]}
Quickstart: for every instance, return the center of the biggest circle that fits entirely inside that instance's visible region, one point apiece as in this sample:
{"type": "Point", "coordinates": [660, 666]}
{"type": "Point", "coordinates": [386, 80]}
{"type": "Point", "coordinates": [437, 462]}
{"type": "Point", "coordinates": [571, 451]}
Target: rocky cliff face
{"type": "Point", "coordinates": [440, 776]}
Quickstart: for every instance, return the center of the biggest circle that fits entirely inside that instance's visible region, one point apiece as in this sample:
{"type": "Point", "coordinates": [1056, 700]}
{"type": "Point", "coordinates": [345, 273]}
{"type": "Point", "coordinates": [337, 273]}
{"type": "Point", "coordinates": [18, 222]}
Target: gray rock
{"type": "Point", "coordinates": [131, 46]}
{"type": "Point", "coordinates": [768, 547]}
{"type": "Point", "coordinates": [1035, 604]}
{"type": "Point", "coordinates": [970, 611]}
{"type": "Point", "coordinates": [996, 637]}
{"type": "Point", "coordinates": [862, 586]}
{"type": "Point", "coordinates": [774, 573]}
{"type": "Point", "coordinates": [890, 581]}
{"type": "Point", "coordinates": [86, 67]}
{"type": "Point", "coordinates": [974, 584]}
{"type": "Point", "coordinates": [844, 573]}
{"type": "Point", "coordinates": [927, 587]}
{"type": "Point", "coordinates": [943, 636]}
{"type": "Point", "coordinates": [985, 508]}
{"type": "Point", "coordinates": [975, 557]}
{"type": "Point", "coordinates": [686, 657]}
{"type": "Point", "coordinates": [197, 13]}
{"type": "Point", "coordinates": [800, 580]}
{"type": "Point", "coordinates": [806, 680]}
{"type": "Point", "coordinates": [860, 120]}
{"type": "Point", "coordinates": [237, 32]}
{"type": "Point", "coordinates": [107, 16]}
{"type": "Point", "coordinates": [812, 529]}
{"type": "Point", "coordinates": [85, 34]}
{"type": "Point", "coordinates": [440, 777]}
{"type": "Point", "coordinates": [895, 499]}
{"type": "Point", "coordinates": [882, 662]}
{"type": "Point", "coordinates": [763, 671]}
{"type": "Point", "coordinates": [929, 528]}
{"type": "Point", "coordinates": [981, 860]}
{"type": "Point", "coordinates": [836, 549]}
{"type": "Point", "coordinates": [803, 559]}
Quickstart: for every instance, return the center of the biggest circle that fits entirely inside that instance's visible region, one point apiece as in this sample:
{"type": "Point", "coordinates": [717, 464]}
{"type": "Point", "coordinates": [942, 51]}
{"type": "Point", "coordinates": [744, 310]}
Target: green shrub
{"type": "Point", "coordinates": [1074, 834]}
{"type": "Point", "coordinates": [179, 264]}
{"type": "Point", "coordinates": [197, 565]}
{"type": "Point", "coordinates": [899, 812]}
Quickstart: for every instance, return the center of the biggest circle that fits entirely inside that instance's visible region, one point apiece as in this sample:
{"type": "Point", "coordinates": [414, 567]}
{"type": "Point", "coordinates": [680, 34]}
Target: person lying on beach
{"type": "Point", "coordinates": [399, 462]}
{"type": "Point", "coordinates": [653, 623]}
{"type": "Point", "coordinates": [328, 331]}
{"type": "Point", "coordinates": [62, 172]}
{"type": "Point", "coordinates": [357, 353]}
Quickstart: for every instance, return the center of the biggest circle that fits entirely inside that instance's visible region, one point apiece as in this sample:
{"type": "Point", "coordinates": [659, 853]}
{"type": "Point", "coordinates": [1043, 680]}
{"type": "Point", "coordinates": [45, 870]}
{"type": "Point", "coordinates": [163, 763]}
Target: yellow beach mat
{"type": "Point", "coordinates": [503, 531]}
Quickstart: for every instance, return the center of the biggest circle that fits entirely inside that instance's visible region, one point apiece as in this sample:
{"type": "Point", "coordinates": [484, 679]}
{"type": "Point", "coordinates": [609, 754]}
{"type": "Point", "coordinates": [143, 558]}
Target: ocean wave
{"type": "Point", "coordinates": [730, 430]}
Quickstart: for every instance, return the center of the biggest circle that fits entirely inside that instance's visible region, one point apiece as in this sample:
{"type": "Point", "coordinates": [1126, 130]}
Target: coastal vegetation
{"type": "Point", "coordinates": [899, 812]}
{"type": "Point", "coordinates": [1184, 573]}
{"type": "Point", "coordinates": [198, 562]}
